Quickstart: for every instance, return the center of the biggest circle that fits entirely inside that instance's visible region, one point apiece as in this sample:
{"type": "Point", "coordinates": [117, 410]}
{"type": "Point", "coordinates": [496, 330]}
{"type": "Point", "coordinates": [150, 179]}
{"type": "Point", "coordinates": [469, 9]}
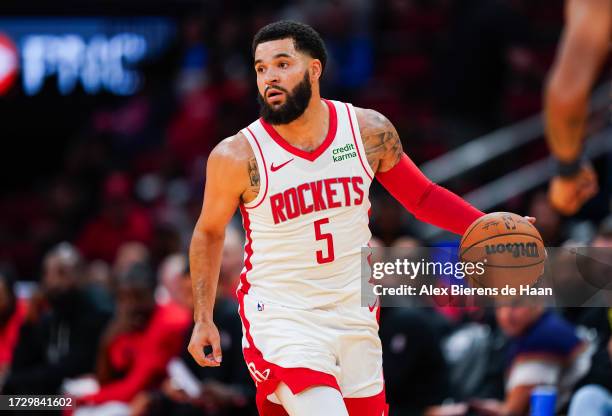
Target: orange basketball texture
{"type": "Point", "coordinates": [510, 247]}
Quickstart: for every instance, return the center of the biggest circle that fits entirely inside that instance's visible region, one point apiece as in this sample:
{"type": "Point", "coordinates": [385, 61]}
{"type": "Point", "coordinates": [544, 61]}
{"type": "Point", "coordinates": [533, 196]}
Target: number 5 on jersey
{"type": "Point", "coordinates": [324, 236]}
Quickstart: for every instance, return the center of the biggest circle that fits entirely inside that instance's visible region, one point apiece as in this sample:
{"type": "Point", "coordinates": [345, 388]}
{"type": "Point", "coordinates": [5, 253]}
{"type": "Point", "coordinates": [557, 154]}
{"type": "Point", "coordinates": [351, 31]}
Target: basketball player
{"type": "Point", "coordinates": [301, 175]}
{"type": "Point", "coordinates": [584, 46]}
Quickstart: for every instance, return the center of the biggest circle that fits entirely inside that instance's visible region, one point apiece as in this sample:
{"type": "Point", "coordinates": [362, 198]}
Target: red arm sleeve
{"type": "Point", "coordinates": [426, 200]}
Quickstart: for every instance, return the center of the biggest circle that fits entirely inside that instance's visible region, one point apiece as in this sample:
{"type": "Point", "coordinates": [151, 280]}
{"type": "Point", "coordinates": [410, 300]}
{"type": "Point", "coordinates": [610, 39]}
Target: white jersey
{"type": "Point", "coordinates": [306, 227]}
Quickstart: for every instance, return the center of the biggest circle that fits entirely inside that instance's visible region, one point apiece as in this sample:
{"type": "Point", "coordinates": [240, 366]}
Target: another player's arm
{"type": "Point", "coordinates": [403, 179]}
{"type": "Point", "coordinates": [584, 46]}
{"type": "Point", "coordinates": [582, 51]}
{"type": "Point", "coordinates": [231, 175]}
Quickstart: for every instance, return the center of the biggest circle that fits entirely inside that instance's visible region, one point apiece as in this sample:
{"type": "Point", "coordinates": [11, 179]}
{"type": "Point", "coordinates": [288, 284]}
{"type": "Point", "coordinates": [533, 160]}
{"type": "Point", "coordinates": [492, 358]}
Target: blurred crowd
{"type": "Point", "coordinates": [115, 341]}
{"type": "Point", "coordinates": [104, 314]}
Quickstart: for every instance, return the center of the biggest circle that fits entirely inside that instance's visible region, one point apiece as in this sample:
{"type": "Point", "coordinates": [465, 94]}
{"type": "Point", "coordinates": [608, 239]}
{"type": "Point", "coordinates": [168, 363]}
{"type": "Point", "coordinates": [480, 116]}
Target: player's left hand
{"type": "Point", "coordinates": [205, 334]}
{"type": "Point", "coordinates": [568, 195]}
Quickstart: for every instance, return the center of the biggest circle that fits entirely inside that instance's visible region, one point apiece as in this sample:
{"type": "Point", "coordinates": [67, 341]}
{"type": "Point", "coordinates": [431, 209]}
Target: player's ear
{"type": "Point", "coordinates": [316, 69]}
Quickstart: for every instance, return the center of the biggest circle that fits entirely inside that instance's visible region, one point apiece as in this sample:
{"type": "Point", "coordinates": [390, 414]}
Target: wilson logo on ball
{"type": "Point", "coordinates": [516, 249]}
{"type": "Point", "coordinates": [513, 248]}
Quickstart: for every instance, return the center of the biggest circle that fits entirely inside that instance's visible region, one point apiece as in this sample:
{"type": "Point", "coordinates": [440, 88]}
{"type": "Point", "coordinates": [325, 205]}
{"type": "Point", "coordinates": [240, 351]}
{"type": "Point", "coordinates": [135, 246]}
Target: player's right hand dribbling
{"type": "Point", "coordinates": [205, 334]}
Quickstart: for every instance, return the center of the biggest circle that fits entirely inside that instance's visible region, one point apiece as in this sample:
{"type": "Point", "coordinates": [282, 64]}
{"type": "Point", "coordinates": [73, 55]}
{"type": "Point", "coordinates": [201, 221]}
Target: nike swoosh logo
{"type": "Point", "coordinates": [275, 168]}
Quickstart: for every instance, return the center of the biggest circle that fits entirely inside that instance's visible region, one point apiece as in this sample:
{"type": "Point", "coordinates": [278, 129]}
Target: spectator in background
{"type": "Point", "coordinates": [596, 267]}
{"type": "Point", "coordinates": [128, 254]}
{"type": "Point", "coordinates": [60, 341]}
{"type": "Point", "coordinates": [139, 342]}
{"type": "Point", "coordinates": [120, 220]}
{"type": "Point", "coordinates": [595, 399]}
{"type": "Point", "coordinates": [12, 314]}
{"type": "Point", "coordinates": [101, 277]}
{"type": "Point", "coordinates": [225, 390]}
{"type": "Point", "coordinates": [416, 372]}
{"type": "Point", "coordinates": [543, 350]}
{"type": "Point", "coordinates": [169, 288]}
{"type": "Point", "coordinates": [403, 357]}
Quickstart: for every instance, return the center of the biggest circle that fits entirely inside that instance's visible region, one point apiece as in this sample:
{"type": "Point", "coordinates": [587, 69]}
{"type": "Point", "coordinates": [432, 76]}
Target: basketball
{"type": "Point", "coordinates": [510, 247]}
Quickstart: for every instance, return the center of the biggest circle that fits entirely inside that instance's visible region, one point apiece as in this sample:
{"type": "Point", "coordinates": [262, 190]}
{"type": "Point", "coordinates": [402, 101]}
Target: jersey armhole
{"type": "Point", "coordinates": [354, 124]}
{"type": "Point", "coordinates": [261, 166]}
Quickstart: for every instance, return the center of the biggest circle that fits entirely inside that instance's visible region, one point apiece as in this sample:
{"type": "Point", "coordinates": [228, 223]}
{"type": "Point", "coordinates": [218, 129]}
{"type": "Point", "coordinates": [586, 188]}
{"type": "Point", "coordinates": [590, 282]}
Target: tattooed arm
{"type": "Point", "coordinates": [382, 143]}
{"type": "Point", "coordinates": [403, 179]}
{"type": "Point", "coordinates": [231, 176]}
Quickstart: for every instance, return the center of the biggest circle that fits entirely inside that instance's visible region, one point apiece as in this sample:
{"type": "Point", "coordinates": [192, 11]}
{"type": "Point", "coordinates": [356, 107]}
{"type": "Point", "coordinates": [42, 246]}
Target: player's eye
{"type": "Point", "coordinates": [283, 65]}
{"type": "Point", "coordinates": [259, 69]}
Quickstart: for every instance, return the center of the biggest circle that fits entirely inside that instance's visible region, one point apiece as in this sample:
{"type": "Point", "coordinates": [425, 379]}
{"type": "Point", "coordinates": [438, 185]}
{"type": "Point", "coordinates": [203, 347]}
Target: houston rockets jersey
{"type": "Point", "coordinates": [309, 221]}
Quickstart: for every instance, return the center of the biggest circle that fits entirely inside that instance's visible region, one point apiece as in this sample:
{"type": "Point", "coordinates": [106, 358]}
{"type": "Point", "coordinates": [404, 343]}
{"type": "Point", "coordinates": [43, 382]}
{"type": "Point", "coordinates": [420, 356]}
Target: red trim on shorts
{"type": "Point", "coordinates": [271, 409]}
{"type": "Point", "coordinates": [265, 170]}
{"type": "Point", "coordinates": [368, 406]}
{"type": "Point", "coordinates": [355, 141]}
{"type": "Point", "coordinates": [310, 156]}
{"type": "Point", "coordinates": [266, 375]}
{"type": "Point", "coordinates": [299, 379]}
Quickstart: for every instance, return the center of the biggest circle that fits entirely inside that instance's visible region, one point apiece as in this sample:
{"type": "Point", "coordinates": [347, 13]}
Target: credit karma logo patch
{"type": "Point", "coordinates": [9, 63]}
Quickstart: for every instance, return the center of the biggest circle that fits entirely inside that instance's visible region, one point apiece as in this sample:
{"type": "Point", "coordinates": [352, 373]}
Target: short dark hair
{"type": "Point", "coordinates": [305, 38]}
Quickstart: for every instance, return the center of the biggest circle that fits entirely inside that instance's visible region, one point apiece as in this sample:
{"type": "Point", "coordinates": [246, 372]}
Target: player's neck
{"type": "Point", "coordinates": [308, 131]}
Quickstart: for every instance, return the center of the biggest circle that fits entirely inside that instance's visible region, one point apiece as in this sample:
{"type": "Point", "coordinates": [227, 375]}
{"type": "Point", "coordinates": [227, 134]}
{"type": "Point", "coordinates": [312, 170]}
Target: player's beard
{"type": "Point", "coordinates": [295, 104]}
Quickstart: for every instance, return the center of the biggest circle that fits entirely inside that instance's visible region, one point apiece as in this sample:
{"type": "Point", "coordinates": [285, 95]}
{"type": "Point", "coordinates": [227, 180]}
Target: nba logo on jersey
{"type": "Point", "coordinates": [260, 306]}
